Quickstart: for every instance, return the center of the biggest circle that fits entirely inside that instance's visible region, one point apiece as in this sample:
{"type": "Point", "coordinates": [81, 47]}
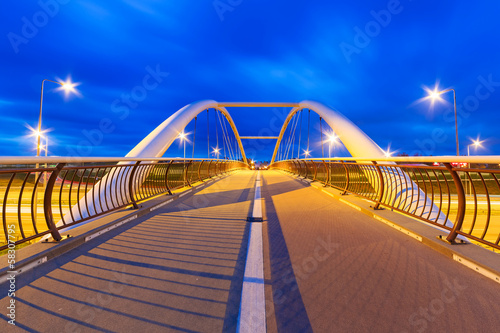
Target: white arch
{"type": "Point", "coordinates": [355, 140]}
{"type": "Point", "coordinates": [159, 140]}
{"type": "Point", "coordinates": [361, 145]}
{"type": "Point", "coordinates": [155, 144]}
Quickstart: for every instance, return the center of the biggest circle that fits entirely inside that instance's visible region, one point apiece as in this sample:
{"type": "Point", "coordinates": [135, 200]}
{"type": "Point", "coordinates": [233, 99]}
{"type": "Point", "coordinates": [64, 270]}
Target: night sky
{"type": "Point", "coordinates": [370, 60]}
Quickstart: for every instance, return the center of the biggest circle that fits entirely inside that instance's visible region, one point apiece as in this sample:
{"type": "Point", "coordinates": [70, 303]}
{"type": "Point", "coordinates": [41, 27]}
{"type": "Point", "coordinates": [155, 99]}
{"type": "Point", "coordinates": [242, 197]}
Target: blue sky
{"type": "Point", "coordinates": [244, 50]}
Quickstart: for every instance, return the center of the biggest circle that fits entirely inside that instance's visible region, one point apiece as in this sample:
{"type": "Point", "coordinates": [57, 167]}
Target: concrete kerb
{"type": "Point", "coordinates": [479, 259]}
{"type": "Point", "coordinates": [36, 254]}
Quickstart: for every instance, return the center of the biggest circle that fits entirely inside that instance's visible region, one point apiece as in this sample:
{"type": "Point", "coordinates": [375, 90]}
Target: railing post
{"type": "Point", "coordinates": [381, 186]}
{"type": "Point", "coordinates": [130, 185]}
{"type": "Point", "coordinates": [47, 203]}
{"type": "Point", "coordinates": [208, 169]}
{"type": "Point", "coordinates": [327, 173]}
{"type": "Point", "coordinates": [166, 177]}
{"type": "Point", "coordinates": [315, 170]}
{"type": "Point", "coordinates": [186, 174]}
{"type": "Point", "coordinates": [307, 171]}
{"type": "Point", "coordinates": [199, 167]}
{"type": "Point", "coordinates": [347, 178]}
{"type": "Point", "coordinates": [461, 204]}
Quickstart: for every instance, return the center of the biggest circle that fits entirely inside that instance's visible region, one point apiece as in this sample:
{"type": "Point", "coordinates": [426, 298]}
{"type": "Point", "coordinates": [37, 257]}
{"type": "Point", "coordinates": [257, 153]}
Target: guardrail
{"type": "Point", "coordinates": [37, 201]}
{"type": "Point", "coordinates": [462, 199]}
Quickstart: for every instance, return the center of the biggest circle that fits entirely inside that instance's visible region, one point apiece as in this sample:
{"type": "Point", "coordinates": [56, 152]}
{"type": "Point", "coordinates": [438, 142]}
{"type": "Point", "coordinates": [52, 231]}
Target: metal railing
{"type": "Point", "coordinates": [67, 191]}
{"type": "Point", "coordinates": [459, 197]}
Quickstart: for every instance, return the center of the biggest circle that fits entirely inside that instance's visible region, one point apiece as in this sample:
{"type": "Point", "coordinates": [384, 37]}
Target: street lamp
{"type": "Point", "coordinates": [46, 148]}
{"type": "Point", "coordinates": [388, 152]}
{"type": "Point", "coordinates": [436, 95]}
{"type": "Point", "coordinates": [216, 151]}
{"type": "Point", "coordinates": [332, 139]}
{"type": "Point", "coordinates": [307, 153]}
{"type": "Point", "coordinates": [68, 87]}
{"type": "Point", "coordinates": [183, 138]}
{"type": "Point", "coordinates": [475, 143]}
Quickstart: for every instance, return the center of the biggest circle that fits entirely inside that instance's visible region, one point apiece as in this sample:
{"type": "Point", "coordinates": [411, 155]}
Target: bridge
{"type": "Point", "coordinates": [363, 243]}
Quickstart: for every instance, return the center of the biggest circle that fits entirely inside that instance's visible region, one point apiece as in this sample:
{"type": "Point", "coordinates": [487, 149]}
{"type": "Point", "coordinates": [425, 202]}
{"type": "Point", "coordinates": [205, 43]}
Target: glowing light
{"type": "Point", "coordinates": [307, 153]}
{"type": "Point", "coordinates": [477, 143]}
{"type": "Point", "coordinates": [68, 87]}
{"type": "Point", "coordinates": [332, 138]}
{"type": "Point", "coordinates": [435, 95]}
{"type": "Point", "coordinates": [36, 133]}
{"type": "Point", "coordinates": [216, 151]}
{"type": "Point", "coordinates": [182, 136]}
{"type": "Point", "coordinates": [388, 152]}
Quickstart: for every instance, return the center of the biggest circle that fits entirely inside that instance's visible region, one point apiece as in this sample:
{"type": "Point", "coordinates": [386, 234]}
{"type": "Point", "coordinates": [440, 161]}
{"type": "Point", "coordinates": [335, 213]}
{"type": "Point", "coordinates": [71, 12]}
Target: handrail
{"type": "Point", "coordinates": [76, 193]}
{"type": "Point", "coordinates": [456, 198]}
{"type": "Point", "coordinates": [489, 159]}
{"type": "Point", "coordinates": [5, 160]}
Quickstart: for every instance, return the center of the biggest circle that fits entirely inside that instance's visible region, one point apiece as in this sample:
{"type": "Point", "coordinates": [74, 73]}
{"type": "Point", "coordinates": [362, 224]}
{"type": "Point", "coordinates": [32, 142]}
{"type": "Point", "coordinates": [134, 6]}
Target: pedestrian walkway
{"type": "Point", "coordinates": [334, 269]}
{"type": "Point", "coordinates": [327, 268]}
{"type": "Point", "coordinates": [180, 270]}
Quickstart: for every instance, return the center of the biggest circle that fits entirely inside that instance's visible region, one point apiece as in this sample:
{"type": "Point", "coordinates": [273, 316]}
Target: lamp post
{"type": "Point", "coordinates": [67, 87]}
{"type": "Point", "coordinates": [183, 138]}
{"type": "Point", "coordinates": [475, 143]}
{"type": "Point", "coordinates": [332, 139]}
{"type": "Point", "coordinates": [435, 94]}
{"type": "Point", "coordinates": [46, 148]}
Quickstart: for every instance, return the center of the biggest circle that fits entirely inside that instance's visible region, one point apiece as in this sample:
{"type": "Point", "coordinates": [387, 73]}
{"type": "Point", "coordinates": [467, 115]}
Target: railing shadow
{"type": "Point", "coordinates": [152, 276]}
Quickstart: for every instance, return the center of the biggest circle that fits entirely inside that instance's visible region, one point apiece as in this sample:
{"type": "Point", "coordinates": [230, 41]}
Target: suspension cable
{"type": "Point", "coordinates": [223, 136]}
{"type": "Point", "coordinates": [287, 139]}
{"type": "Point", "coordinates": [308, 127]}
{"type": "Point", "coordinates": [292, 136]}
{"type": "Point", "coordinates": [293, 141]}
{"type": "Point", "coordinates": [300, 134]}
{"type": "Point", "coordinates": [229, 143]}
{"type": "Point", "coordinates": [321, 131]}
{"type": "Point", "coordinates": [216, 132]}
{"type": "Point", "coordinates": [208, 134]}
{"type": "Point", "coordinates": [194, 135]}
{"type": "Point", "coordinates": [225, 142]}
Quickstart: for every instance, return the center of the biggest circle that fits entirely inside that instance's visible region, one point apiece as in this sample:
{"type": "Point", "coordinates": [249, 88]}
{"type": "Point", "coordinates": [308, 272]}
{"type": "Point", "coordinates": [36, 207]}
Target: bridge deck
{"type": "Point", "coordinates": [327, 268]}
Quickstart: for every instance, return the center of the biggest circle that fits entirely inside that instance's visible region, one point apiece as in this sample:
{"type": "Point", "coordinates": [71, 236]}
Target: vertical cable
{"type": "Point", "coordinates": [216, 132]}
{"type": "Point", "coordinates": [293, 141]}
{"type": "Point", "coordinates": [300, 134]}
{"type": "Point", "coordinates": [308, 127]}
{"type": "Point", "coordinates": [194, 135]}
{"type": "Point", "coordinates": [208, 135]}
{"type": "Point", "coordinates": [321, 131]}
